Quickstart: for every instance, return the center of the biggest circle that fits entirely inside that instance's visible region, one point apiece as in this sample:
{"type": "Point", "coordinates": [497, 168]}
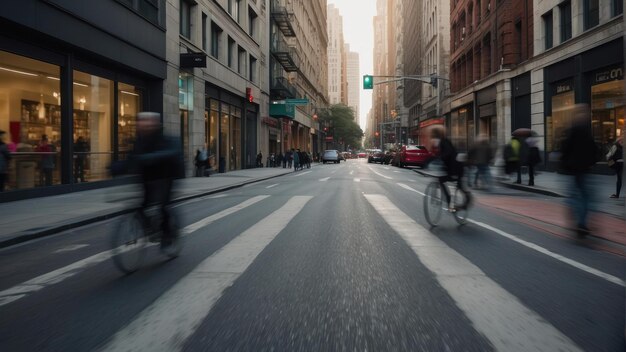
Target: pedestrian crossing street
{"type": "Point", "coordinates": [166, 324]}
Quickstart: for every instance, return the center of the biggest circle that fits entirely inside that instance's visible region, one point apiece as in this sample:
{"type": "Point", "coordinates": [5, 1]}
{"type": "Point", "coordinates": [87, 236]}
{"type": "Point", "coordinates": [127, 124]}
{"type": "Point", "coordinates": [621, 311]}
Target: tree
{"type": "Point", "coordinates": [343, 127]}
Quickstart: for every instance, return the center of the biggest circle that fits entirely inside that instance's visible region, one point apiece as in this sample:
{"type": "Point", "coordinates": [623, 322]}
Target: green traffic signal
{"type": "Point", "coordinates": [368, 82]}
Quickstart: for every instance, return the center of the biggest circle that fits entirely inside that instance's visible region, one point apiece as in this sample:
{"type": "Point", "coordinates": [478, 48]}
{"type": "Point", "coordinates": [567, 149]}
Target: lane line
{"type": "Point", "coordinates": [300, 174]}
{"type": "Point", "coordinates": [175, 315]}
{"type": "Point", "coordinates": [274, 185]}
{"type": "Point", "coordinates": [357, 180]}
{"type": "Point", "coordinates": [217, 196]}
{"type": "Point", "coordinates": [71, 247]}
{"type": "Point", "coordinates": [54, 277]}
{"type": "Point", "coordinates": [494, 312]}
{"type": "Point", "coordinates": [379, 174]}
{"type": "Point", "coordinates": [563, 259]}
{"type": "Point", "coordinates": [575, 264]}
{"type": "Point", "coordinates": [324, 179]}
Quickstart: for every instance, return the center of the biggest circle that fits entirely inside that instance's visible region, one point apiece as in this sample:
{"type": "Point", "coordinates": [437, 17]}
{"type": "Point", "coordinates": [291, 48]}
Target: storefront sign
{"type": "Point", "coordinates": [283, 110]}
{"type": "Point", "coordinates": [270, 121]}
{"type": "Point", "coordinates": [564, 88]}
{"type": "Point", "coordinates": [608, 75]}
{"type": "Point", "coordinates": [431, 122]}
{"type": "Point", "coordinates": [329, 139]}
{"type": "Point", "coordinates": [193, 60]}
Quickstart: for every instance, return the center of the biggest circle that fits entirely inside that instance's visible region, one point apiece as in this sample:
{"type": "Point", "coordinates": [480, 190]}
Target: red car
{"type": "Point", "coordinates": [414, 155]}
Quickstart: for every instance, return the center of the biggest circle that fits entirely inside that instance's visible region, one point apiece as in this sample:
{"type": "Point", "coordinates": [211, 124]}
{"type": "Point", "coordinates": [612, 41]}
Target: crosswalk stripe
{"type": "Point", "coordinates": [324, 179]}
{"type": "Point", "coordinates": [54, 277]}
{"type": "Point", "coordinates": [496, 313]}
{"type": "Point", "coordinates": [171, 319]}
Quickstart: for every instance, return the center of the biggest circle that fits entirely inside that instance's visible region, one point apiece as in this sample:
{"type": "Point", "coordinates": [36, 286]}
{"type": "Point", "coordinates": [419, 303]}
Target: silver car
{"type": "Point", "coordinates": [331, 155]}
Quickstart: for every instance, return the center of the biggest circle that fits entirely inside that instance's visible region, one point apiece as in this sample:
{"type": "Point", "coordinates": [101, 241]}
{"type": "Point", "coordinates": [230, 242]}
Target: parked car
{"type": "Point", "coordinates": [414, 155]}
{"type": "Point", "coordinates": [331, 156]}
{"type": "Point", "coordinates": [362, 155]}
{"type": "Point", "coordinates": [376, 157]}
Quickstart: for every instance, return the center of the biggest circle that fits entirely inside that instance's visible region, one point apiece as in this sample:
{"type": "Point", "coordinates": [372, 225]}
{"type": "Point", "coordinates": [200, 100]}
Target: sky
{"type": "Point", "coordinates": [359, 33]}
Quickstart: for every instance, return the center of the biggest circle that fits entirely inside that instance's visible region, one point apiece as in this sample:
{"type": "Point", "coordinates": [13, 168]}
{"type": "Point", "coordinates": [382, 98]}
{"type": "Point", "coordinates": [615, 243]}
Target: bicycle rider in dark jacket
{"type": "Point", "coordinates": [454, 168]}
{"type": "Point", "coordinates": [159, 161]}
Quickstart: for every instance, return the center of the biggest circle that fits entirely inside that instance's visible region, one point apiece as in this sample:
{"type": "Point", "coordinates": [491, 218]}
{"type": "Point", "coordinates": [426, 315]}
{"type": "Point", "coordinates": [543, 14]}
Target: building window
{"type": "Point", "coordinates": [231, 52]}
{"type": "Point", "coordinates": [185, 19]}
{"type": "Point", "coordinates": [591, 12]}
{"type": "Point", "coordinates": [130, 101]}
{"type": "Point", "coordinates": [234, 7]}
{"type": "Point", "coordinates": [149, 9]}
{"type": "Point", "coordinates": [204, 30]}
{"type": "Point", "coordinates": [241, 62]}
{"type": "Point", "coordinates": [608, 107]}
{"type": "Point", "coordinates": [252, 16]}
{"type": "Point", "coordinates": [518, 37]}
{"type": "Point", "coordinates": [618, 7]}
{"type": "Point", "coordinates": [566, 20]}
{"type": "Point", "coordinates": [216, 36]}
{"type": "Point", "coordinates": [561, 118]}
{"type": "Point", "coordinates": [547, 29]}
{"type": "Point", "coordinates": [252, 69]}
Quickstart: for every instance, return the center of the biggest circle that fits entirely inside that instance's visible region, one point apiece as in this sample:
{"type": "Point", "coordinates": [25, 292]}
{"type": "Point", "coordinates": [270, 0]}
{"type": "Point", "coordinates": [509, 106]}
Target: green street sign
{"type": "Point", "coordinates": [283, 111]}
{"type": "Point", "coordinates": [297, 101]}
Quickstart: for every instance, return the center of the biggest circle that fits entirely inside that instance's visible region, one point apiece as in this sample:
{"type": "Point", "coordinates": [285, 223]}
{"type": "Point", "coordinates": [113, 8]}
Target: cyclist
{"type": "Point", "coordinates": [158, 159]}
{"type": "Point", "coordinates": [454, 168]}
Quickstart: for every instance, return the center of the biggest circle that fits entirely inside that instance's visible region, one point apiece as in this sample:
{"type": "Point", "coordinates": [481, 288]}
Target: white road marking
{"type": "Point", "coordinates": [301, 173]}
{"type": "Point", "coordinates": [575, 264]}
{"type": "Point", "coordinates": [324, 179]}
{"type": "Point", "coordinates": [357, 180]}
{"type": "Point", "coordinates": [16, 292]}
{"type": "Point", "coordinates": [71, 247]}
{"type": "Point", "coordinates": [386, 168]}
{"type": "Point", "coordinates": [351, 172]}
{"type": "Point", "coordinates": [379, 174]}
{"type": "Point", "coordinates": [396, 171]}
{"type": "Point", "coordinates": [274, 185]}
{"type": "Point", "coordinates": [494, 312]}
{"type": "Point", "coordinates": [540, 249]}
{"type": "Point", "coordinates": [407, 187]}
{"type": "Point", "coordinates": [173, 317]}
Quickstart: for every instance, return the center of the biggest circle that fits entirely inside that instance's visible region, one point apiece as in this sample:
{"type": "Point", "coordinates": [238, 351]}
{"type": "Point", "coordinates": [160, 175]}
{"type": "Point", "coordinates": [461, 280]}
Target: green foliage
{"type": "Point", "coordinates": [343, 126]}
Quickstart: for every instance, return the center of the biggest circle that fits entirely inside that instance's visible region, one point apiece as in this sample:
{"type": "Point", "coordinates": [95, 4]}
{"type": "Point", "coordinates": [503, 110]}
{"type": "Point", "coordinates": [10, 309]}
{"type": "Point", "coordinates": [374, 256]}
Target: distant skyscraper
{"type": "Point", "coordinates": [335, 51]}
{"type": "Point", "coordinates": [353, 77]}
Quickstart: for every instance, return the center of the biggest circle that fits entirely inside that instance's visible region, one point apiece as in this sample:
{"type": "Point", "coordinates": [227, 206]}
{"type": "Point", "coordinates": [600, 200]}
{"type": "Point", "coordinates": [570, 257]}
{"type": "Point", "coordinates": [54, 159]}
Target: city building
{"type": "Point", "coordinates": [335, 55]}
{"type": "Point", "coordinates": [72, 80]}
{"type": "Point", "coordinates": [298, 69]}
{"type": "Point", "coordinates": [380, 104]}
{"type": "Point", "coordinates": [353, 82]}
{"type": "Point", "coordinates": [579, 58]}
{"type": "Point", "coordinates": [218, 103]}
{"type": "Point", "coordinates": [412, 49]}
{"type": "Point", "coordinates": [489, 43]}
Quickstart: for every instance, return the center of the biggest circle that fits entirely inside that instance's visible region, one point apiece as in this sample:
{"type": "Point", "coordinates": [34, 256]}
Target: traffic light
{"type": "Point", "coordinates": [368, 82]}
{"type": "Point", "coordinates": [433, 80]}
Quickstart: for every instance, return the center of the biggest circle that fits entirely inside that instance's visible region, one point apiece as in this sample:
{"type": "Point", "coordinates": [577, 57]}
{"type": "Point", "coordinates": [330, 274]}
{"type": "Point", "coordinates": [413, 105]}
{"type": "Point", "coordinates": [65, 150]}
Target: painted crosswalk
{"type": "Point", "coordinates": [167, 323]}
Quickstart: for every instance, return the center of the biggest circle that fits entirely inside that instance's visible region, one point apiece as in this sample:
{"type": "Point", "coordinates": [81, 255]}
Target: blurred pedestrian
{"type": "Point", "coordinates": [533, 159]}
{"type": "Point", "coordinates": [615, 159]}
{"type": "Point", "coordinates": [296, 159]}
{"type": "Point", "coordinates": [259, 160]}
{"type": "Point", "coordinates": [5, 157]}
{"type": "Point", "coordinates": [578, 151]}
{"type": "Point", "coordinates": [515, 154]}
{"type": "Point", "coordinates": [46, 164]}
{"type": "Point", "coordinates": [81, 148]}
{"type": "Point", "coordinates": [201, 161]}
{"type": "Point", "coordinates": [279, 159]}
{"type": "Point", "coordinates": [481, 155]}
{"type": "Point", "coordinates": [290, 159]}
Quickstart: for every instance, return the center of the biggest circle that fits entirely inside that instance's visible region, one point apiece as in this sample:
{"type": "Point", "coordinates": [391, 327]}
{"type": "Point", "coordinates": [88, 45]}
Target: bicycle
{"type": "Point", "coordinates": [434, 204]}
{"type": "Point", "coordinates": [133, 235]}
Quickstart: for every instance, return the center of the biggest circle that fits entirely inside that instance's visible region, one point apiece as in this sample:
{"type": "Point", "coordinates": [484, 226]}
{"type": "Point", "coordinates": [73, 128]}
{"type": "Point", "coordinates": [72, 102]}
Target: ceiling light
{"type": "Point", "coordinates": [16, 71]}
{"type": "Point", "coordinates": [129, 93]}
{"type": "Point", "coordinates": [81, 84]}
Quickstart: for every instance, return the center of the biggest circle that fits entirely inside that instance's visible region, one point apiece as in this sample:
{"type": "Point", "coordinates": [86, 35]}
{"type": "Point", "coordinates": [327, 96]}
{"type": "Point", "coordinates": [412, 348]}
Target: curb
{"type": "Point", "coordinates": [531, 189]}
{"type": "Point", "coordinates": [30, 235]}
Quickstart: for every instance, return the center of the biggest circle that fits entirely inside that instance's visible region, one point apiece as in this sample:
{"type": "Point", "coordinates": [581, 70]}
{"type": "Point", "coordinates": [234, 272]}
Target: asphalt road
{"type": "Point", "coordinates": [333, 258]}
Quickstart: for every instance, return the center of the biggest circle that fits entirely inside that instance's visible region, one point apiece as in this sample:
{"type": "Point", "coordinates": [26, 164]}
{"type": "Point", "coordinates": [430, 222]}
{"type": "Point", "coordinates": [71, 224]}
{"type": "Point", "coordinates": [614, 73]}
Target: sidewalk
{"type": "Point", "coordinates": [32, 218]}
{"type": "Point", "coordinates": [557, 185]}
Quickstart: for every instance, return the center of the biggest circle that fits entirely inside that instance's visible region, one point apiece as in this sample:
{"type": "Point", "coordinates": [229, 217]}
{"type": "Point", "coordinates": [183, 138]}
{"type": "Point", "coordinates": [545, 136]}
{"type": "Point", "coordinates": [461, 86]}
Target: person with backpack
{"type": "Point", "coordinates": [615, 160]}
{"type": "Point", "coordinates": [201, 160]}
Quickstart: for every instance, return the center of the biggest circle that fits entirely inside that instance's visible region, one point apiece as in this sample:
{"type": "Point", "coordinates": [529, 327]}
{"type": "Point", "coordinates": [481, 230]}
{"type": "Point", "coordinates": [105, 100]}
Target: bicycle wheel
{"type": "Point", "coordinates": [129, 243]}
{"type": "Point", "coordinates": [461, 205]}
{"type": "Point", "coordinates": [176, 247]}
{"type": "Point", "coordinates": [433, 204]}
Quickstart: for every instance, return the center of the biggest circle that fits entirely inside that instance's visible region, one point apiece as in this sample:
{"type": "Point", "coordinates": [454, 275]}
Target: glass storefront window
{"type": "Point", "coordinates": [560, 120]}
{"type": "Point", "coordinates": [130, 102]}
{"type": "Point", "coordinates": [92, 137]}
{"type": "Point", "coordinates": [212, 133]}
{"type": "Point", "coordinates": [235, 147]}
{"type": "Point", "coordinates": [224, 137]}
{"type": "Point", "coordinates": [30, 99]}
{"type": "Point", "coordinates": [607, 117]}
